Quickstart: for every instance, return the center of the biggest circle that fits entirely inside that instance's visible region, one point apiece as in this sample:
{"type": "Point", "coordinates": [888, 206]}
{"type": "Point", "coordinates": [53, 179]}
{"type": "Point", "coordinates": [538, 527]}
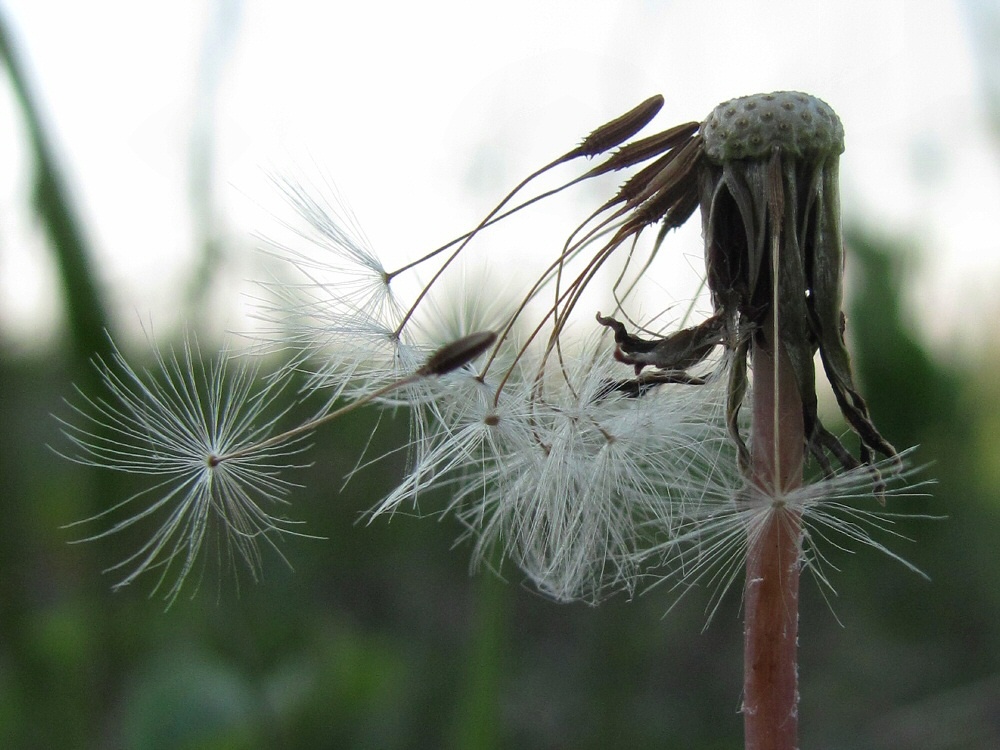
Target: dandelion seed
{"type": "Point", "coordinates": [336, 256]}
{"type": "Point", "coordinates": [582, 480]}
{"type": "Point", "coordinates": [711, 544]}
{"type": "Point", "coordinates": [339, 314]}
{"type": "Point", "coordinates": [196, 429]}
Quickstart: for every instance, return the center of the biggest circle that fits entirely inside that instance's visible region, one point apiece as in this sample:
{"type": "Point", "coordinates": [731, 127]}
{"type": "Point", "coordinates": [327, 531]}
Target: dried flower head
{"type": "Point", "coordinates": [774, 255]}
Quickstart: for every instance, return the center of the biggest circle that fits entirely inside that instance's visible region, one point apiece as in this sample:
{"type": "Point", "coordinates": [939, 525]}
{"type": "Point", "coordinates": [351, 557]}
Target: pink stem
{"type": "Point", "coordinates": [771, 598]}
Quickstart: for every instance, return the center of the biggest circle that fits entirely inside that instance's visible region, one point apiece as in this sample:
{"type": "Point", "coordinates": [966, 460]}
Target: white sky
{"type": "Point", "coordinates": [425, 113]}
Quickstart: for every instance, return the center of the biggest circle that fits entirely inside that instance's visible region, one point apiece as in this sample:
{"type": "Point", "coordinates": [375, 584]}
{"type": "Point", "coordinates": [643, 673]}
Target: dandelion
{"type": "Point", "coordinates": [594, 462]}
{"type": "Point", "coordinates": [563, 490]}
{"type": "Point", "coordinates": [573, 470]}
{"type": "Point", "coordinates": [774, 257]}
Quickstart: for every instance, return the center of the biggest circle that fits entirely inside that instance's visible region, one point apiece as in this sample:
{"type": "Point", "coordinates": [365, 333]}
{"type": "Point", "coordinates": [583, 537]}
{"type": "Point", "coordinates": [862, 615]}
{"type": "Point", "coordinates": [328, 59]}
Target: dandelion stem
{"type": "Point", "coordinates": [770, 702]}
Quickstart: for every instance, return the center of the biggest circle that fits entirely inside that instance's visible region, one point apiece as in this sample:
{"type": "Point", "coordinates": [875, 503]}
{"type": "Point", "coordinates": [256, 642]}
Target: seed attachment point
{"type": "Point", "coordinates": [750, 127]}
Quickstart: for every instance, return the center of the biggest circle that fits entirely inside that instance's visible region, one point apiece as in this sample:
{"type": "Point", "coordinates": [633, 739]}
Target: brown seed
{"type": "Point", "coordinates": [458, 353]}
{"type": "Point", "coordinates": [610, 134]}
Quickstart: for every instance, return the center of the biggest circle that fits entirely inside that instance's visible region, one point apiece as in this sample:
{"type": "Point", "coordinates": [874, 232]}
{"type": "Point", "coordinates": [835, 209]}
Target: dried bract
{"type": "Point", "coordinates": [770, 206]}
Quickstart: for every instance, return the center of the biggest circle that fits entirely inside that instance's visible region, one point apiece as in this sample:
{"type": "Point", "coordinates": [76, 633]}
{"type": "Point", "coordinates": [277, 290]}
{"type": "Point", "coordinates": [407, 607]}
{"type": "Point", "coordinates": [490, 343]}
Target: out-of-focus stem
{"type": "Point", "coordinates": [771, 598]}
{"type": "Point", "coordinates": [84, 302]}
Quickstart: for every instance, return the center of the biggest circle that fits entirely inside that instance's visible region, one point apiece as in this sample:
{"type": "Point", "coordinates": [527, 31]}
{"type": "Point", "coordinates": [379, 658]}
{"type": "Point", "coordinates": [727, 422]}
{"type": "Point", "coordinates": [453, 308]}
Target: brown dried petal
{"type": "Point", "coordinates": [677, 352]}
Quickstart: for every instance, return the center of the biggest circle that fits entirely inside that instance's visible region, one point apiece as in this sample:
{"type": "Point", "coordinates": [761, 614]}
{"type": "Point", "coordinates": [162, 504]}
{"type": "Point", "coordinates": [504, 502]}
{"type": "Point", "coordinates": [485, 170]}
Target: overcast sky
{"type": "Point", "coordinates": [424, 113]}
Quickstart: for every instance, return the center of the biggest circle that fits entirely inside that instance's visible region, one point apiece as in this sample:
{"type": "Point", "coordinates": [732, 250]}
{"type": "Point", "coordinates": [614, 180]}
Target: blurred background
{"type": "Point", "coordinates": [133, 142]}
